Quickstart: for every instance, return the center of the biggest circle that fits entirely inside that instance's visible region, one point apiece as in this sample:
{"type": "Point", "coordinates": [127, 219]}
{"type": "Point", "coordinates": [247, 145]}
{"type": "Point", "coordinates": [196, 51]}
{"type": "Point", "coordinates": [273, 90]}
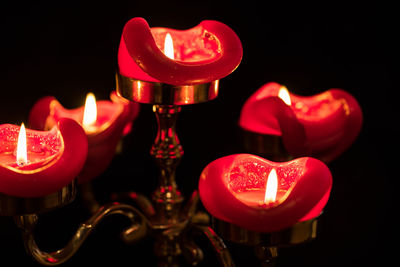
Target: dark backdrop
{"type": "Point", "coordinates": [68, 49]}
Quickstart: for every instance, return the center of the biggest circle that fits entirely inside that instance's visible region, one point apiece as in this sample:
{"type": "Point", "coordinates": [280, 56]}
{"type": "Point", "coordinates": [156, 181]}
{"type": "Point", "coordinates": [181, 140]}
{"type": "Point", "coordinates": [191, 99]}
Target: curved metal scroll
{"type": "Point", "coordinates": [27, 224]}
{"type": "Point", "coordinates": [218, 245]}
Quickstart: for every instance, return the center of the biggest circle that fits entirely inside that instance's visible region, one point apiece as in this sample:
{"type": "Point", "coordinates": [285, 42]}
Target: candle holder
{"type": "Point", "coordinates": [170, 222]}
{"type": "Point", "coordinates": [266, 245]}
{"type": "Point", "coordinates": [14, 206]}
{"type": "Point", "coordinates": [264, 145]}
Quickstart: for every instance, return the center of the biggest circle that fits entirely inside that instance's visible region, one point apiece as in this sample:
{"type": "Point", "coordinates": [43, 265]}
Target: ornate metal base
{"type": "Point", "coordinates": [176, 238]}
{"type": "Point", "coordinates": [172, 239]}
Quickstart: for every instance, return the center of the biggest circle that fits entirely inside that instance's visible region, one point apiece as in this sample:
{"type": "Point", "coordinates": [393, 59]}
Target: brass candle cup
{"type": "Point", "coordinates": [165, 94]}
{"type": "Point", "coordinates": [298, 233]}
{"type": "Point", "coordinates": [264, 145]}
{"type": "Point", "coordinates": [14, 206]}
{"type": "Point", "coordinates": [266, 245]}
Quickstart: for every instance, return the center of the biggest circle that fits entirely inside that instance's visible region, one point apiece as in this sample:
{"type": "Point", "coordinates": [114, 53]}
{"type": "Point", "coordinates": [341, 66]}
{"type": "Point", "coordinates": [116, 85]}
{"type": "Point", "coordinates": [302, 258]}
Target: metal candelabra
{"type": "Point", "coordinates": [165, 217]}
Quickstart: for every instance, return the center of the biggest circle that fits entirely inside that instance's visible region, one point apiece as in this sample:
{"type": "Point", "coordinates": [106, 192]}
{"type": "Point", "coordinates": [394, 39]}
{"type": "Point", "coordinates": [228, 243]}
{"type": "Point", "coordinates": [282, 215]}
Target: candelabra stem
{"type": "Point", "coordinates": [28, 222]}
{"type": "Point", "coordinates": [167, 153]}
{"type": "Point", "coordinates": [170, 223]}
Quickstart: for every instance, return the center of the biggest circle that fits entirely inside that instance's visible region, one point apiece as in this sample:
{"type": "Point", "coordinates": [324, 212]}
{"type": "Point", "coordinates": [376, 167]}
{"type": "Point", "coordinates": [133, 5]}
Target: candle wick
{"type": "Point", "coordinates": [21, 163]}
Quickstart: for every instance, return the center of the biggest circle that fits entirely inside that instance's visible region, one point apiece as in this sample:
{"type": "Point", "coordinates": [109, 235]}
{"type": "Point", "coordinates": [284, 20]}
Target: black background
{"type": "Point", "coordinates": [67, 49]}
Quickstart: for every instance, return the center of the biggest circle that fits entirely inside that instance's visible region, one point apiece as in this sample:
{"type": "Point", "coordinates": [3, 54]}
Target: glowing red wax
{"type": "Point", "coordinates": [322, 125]}
{"type": "Point", "coordinates": [232, 189]}
{"type": "Point", "coordinates": [207, 52]}
{"type": "Point", "coordinates": [55, 158]}
{"type": "Point", "coordinates": [114, 119]}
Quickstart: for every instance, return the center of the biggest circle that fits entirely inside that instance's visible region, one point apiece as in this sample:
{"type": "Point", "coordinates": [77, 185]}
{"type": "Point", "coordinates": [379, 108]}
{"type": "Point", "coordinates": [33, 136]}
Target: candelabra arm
{"type": "Point", "coordinates": [191, 213]}
{"type": "Point", "coordinates": [140, 200]}
{"type": "Point", "coordinates": [28, 222]}
{"type": "Point", "coordinates": [167, 152]}
{"type": "Point", "coordinates": [190, 209]}
{"type": "Point", "coordinates": [218, 245]}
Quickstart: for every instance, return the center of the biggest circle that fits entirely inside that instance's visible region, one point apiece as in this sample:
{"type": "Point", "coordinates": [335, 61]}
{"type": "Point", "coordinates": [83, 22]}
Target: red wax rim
{"type": "Point", "coordinates": [114, 119]}
{"type": "Point", "coordinates": [57, 156]}
{"type": "Point", "coordinates": [207, 52]}
{"type": "Point", "coordinates": [44, 147]}
{"type": "Point", "coordinates": [107, 113]}
{"type": "Point", "coordinates": [323, 125]}
{"type": "Point", "coordinates": [306, 183]}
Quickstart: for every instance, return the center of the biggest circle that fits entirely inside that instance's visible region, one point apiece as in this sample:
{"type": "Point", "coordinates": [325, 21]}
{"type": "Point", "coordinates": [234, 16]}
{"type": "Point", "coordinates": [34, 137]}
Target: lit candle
{"type": "Point", "coordinates": [90, 114]}
{"type": "Point", "coordinates": [202, 54]}
{"type": "Point", "coordinates": [38, 163]}
{"type": "Point", "coordinates": [22, 153]}
{"type": "Point", "coordinates": [322, 125]}
{"type": "Point", "coordinates": [169, 47]}
{"type": "Point", "coordinates": [104, 122]}
{"type": "Point", "coordinates": [262, 195]}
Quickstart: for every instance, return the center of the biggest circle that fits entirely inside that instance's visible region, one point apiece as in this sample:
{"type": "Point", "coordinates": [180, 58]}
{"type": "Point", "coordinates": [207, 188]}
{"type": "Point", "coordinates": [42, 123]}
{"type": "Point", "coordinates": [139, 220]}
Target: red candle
{"type": "Point", "coordinates": [207, 52]}
{"type": "Point", "coordinates": [262, 195]}
{"type": "Point", "coordinates": [322, 125]}
{"type": "Point", "coordinates": [104, 125]}
{"type": "Point", "coordinates": [38, 163]}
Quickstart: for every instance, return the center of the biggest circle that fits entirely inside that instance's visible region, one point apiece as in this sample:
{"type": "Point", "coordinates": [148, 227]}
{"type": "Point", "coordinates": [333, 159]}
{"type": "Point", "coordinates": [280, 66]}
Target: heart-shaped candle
{"type": "Point", "coordinates": [322, 125]}
{"type": "Point", "coordinates": [207, 52]}
{"type": "Point", "coordinates": [264, 196]}
{"type": "Point", "coordinates": [104, 126]}
{"type": "Point", "coordinates": [38, 163]}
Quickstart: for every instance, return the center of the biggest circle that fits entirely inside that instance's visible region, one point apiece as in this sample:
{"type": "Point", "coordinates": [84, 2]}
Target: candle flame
{"type": "Point", "coordinates": [90, 112]}
{"type": "Point", "coordinates": [284, 95]}
{"type": "Point", "coordinates": [22, 157]}
{"type": "Point", "coordinates": [271, 188]}
{"type": "Point", "coordinates": [169, 46]}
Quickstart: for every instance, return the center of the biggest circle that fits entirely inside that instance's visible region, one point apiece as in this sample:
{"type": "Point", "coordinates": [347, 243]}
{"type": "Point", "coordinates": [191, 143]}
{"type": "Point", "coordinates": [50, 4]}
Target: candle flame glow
{"type": "Point", "coordinates": [22, 157]}
{"type": "Point", "coordinates": [271, 188]}
{"type": "Point", "coordinates": [169, 46]}
{"type": "Point", "coordinates": [90, 112]}
{"type": "Point", "coordinates": [284, 95]}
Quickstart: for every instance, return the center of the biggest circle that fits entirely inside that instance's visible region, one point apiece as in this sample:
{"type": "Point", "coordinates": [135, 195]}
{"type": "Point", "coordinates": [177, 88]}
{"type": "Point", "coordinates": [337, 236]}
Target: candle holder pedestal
{"type": "Point", "coordinates": [170, 221]}
{"type": "Point", "coordinates": [266, 245]}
